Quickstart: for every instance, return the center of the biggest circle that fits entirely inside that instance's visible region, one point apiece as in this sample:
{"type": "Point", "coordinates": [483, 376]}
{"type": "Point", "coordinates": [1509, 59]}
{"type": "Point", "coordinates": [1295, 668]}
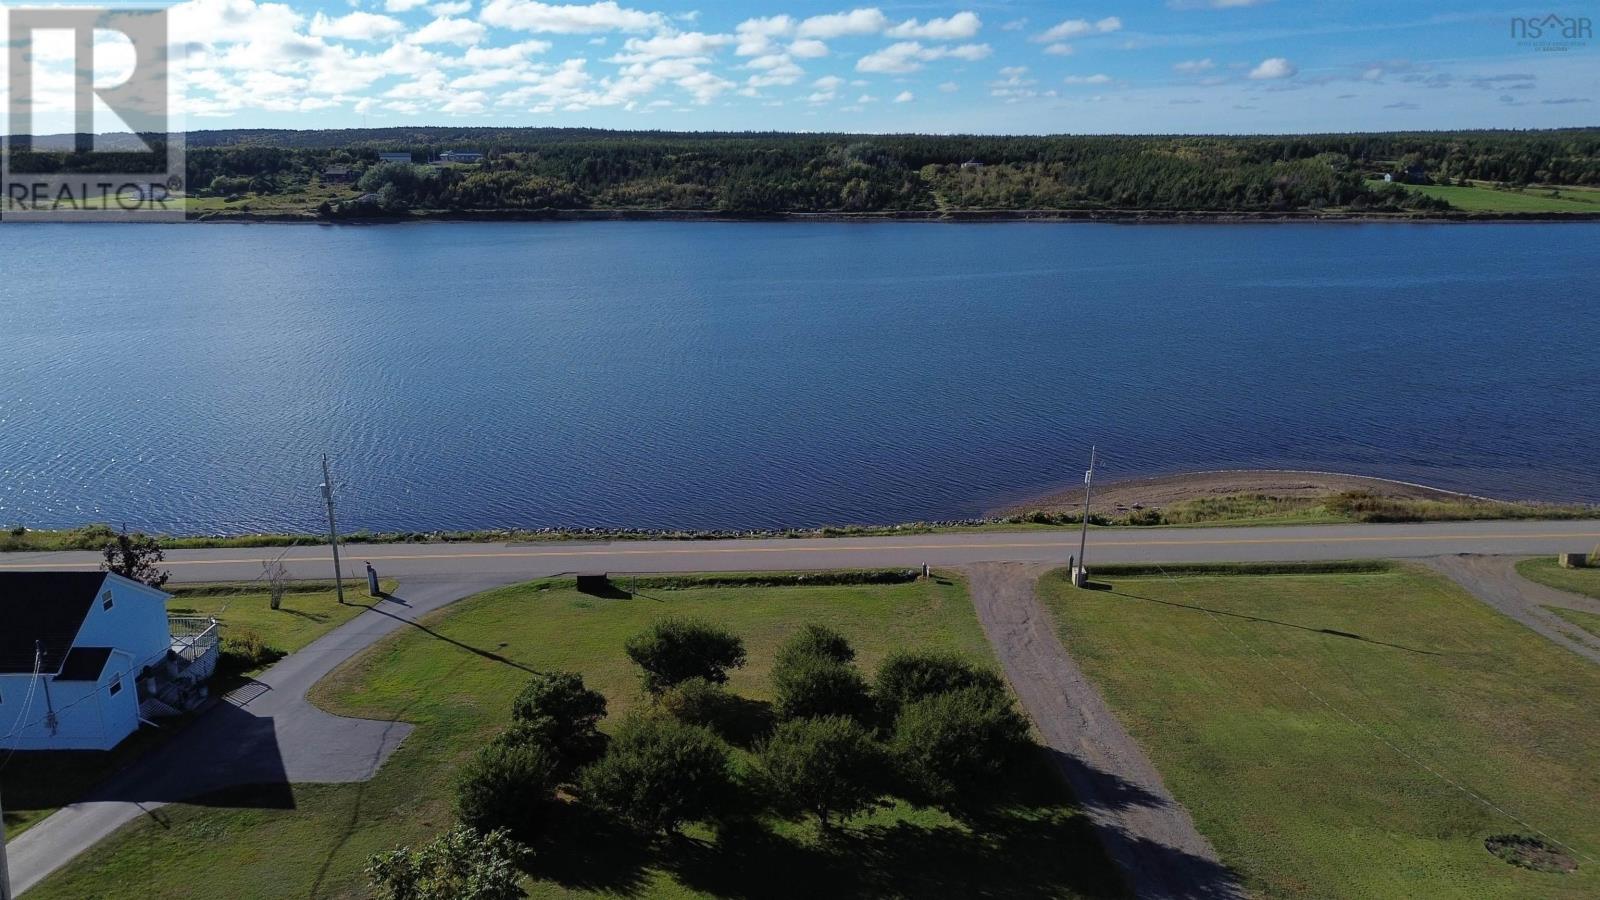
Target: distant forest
{"type": "Point", "coordinates": [754, 173]}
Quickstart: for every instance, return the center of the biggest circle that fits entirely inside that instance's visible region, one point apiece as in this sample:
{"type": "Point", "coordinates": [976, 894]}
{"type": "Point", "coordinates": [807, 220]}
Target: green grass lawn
{"type": "Point", "coordinates": [1532, 199]}
{"type": "Point", "coordinates": [309, 609]}
{"type": "Point", "coordinates": [1269, 704]}
{"type": "Point", "coordinates": [1587, 621]}
{"type": "Point", "coordinates": [38, 783]}
{"type": "Point", "coordinates": [1545, 571]}
{"type": "Point", "coordinates": [456, 680]}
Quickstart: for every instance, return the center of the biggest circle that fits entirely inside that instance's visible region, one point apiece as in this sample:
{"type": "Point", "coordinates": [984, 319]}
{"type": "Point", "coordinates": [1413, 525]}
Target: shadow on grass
{"type": "Point", "coordinates": [1031, 843]}
{"type": "Point", "coordinates": [1233, 615]}
{"type": "Point", "coordinates": [486, 654]}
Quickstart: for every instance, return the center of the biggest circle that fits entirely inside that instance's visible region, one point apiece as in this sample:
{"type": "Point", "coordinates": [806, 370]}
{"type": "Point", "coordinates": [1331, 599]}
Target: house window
{"type": "Point", "coordinates": [105, 600]}
{"type": "Point", "coordinates": [116, 687]}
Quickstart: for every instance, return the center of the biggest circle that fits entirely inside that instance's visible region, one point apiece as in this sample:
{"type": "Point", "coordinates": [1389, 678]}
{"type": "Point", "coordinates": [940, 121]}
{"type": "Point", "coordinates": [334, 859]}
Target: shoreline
{"type": "Point", "coordinates": [1192, 499]}
{"type": "Point", "coordinates": [956, 217]}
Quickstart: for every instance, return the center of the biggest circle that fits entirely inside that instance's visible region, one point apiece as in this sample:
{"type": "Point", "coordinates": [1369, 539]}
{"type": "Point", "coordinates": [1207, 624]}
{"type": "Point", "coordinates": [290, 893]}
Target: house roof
{"type": "Point", "coordinates": [48, 607]}
{"type": "Point", "coordinates": [84, 664]}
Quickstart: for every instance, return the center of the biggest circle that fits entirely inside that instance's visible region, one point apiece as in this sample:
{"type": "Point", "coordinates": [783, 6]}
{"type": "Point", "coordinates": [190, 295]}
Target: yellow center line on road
{"type": "Point", "coordinates": [873, 548]}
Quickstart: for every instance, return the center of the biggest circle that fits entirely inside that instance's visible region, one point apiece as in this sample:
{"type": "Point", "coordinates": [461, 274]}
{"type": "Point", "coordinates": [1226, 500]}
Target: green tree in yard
{"type": "Point", "coordinates": [556, 710]}
{"type": "Point", "coordinates": [461, 864]}
{"type": "Point", "coordinates": [675, 650]}
{"type": "Point", "coordinates": [954, 748]}
{"type": "Point", "coordinates": [660, 773]}
{"type": "Point", "coordinates": [507, 787]}
{"type": "Point", "coordinates": [911, 675]}
{"type": "Point", "coordinates": [816, 640]}
{"type": "Point", "coordinates": [137, 556]}
{"type": "Point", "coordinates": [828, 767]}
{"type": "Point", "coordinates": [812, 686]}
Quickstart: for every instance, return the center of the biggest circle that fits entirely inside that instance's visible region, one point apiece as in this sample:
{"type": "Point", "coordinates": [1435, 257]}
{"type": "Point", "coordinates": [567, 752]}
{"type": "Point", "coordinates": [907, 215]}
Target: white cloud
{"type": "Point", "coordinates": [1015, 25]}
{"type": "Point", "coordinates": [453, 8]}
{"type": "Point", "coordinates": [1059, 49]}
{"type": "Point", "coordinates": [1272, 69]}
{"type": "Point", "coordinates": [662, 46]}
{"type": "Point", "coordinates": [958, 27]}
{"type": "Point", "coordinates": [808, 48]}
{"type": "Point", "coordinates": [854, 22]}
{"type": "Point", "coordinates": [704, 86]}
{"type": "Point", "coordinates": [531, 15]}
{"type": "Point", "coordinates": [357, 26]}
{"type": "Point", "coordinates": [1194, 66]}
{"type": "Point", "coordinates": [1099, 78]}
{"type": "Point", "coordinates": [445, 30]}
{"type": "Point", "coordinates": [1072, 28]}
{"type": "Point", "coordinates": [909, 56]}
{"type": "Point", "coordinates": [904, 97]}
{"type": "Point", "coordinates": [402, 5]}
{"type": "Point", "coordinates": [488, 57]}
{"type": "Point", "coordinates": [756, 35]}
{"type": "Point", "coordinates": [949, 87]}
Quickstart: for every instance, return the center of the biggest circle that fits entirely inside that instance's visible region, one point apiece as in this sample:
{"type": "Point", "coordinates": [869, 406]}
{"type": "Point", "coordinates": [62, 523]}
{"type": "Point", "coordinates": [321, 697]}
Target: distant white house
{"type": "Point", "coordinates": [84, 656]}
{"type": "Point", "coordinates": [460, 156]}
{"type": "Point", "coordinates": [394, 158]}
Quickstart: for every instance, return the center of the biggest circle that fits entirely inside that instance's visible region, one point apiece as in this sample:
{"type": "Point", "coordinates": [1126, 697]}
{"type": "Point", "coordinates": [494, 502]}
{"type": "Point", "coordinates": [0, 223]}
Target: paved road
{"type": "Point", "coordinates": [512, 561]}
{"type": "Point", "coordinates": [1149, 835]}
{"type": "Point", "coordinates": [265, 734]}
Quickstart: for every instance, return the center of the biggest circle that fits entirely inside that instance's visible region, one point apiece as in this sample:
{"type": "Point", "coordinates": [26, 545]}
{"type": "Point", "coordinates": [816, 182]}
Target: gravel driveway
{"type": "Point", "coordinates": [1150, 837]}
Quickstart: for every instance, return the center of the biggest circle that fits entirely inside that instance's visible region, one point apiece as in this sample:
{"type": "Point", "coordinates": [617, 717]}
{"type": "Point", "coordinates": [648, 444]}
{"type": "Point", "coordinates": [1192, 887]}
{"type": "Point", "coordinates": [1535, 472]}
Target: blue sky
{"type": "Point", "coordinates": [994, 67]}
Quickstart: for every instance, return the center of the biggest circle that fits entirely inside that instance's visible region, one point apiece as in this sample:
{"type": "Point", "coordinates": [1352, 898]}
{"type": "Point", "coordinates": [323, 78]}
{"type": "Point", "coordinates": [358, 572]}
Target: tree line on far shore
{"type": "Point", "coordinates": [556, 169]}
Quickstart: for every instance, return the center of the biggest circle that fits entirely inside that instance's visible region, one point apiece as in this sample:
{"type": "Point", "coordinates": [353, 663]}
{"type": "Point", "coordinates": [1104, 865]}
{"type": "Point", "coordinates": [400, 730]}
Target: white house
{"type": "Point", "coordinates": [460, 156]}
{"type": "Point", "coordinates": [394, 158]}
{"type": "Point", "coordinates": [85, 655]}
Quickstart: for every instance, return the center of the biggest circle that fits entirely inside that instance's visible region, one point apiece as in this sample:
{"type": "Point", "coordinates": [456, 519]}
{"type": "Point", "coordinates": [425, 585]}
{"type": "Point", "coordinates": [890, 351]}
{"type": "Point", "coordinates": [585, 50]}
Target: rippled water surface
{"type": "Point", "coordinates": [727, 375]}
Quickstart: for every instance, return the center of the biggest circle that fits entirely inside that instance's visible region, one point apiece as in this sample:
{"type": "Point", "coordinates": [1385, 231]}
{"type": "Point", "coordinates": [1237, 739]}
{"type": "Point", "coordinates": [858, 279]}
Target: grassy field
{"type": "Point", "coordinates": [39, 783]}
{"type": "Point", "coordinates": [1478, 198]}
{"type": "Point", "coordinates": [1314, 724]}
{"type": "Point", "coordinates": [1545, 571]}
{"type": "Point", "coordinates": [1587, 621]}
{"type": "Point", "coordinates": [302, 199]}
{"type": "Point", "coordinates": [456, 679]}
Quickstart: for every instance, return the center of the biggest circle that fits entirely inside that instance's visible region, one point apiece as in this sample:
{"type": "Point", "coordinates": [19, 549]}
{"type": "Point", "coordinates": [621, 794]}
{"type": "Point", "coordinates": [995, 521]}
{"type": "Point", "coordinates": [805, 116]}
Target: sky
{"type": "Point", "coordinates": [1118, 66]}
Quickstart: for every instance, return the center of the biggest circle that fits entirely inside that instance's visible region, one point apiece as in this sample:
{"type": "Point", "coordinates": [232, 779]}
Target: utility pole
{"type": "Point", "coordinates": [333, 531]}
{"type": "Point", "coordinates": [5, 873]}
{"type": "Point", "coordinates": [1080, 577]}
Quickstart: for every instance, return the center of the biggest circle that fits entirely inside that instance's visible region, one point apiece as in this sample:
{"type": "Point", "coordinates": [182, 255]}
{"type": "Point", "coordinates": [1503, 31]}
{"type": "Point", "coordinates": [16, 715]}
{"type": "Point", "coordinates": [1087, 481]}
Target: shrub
{"type": "Point", "coordinates": [573, 749]}
{"type": "Point", "coordinates": [507, 786]}
{"type": "Point", "coordinates": [818, 641]}
{"type": "Point", "coordinates": [815, 686]}
{"type": "Point", "coordinates": [675, 650]}
{"type": "Point", "coordinates": [952, 748]}
{"type": "Point", "coordinates": [244, 651]}
{"type": "Point", "coordinates": [660, 773]}
{"type": "Point", "coordinates": [561, 696]}
{"type": "Point", "coordinates": [556, 710]}
{"type": "Point", "coordinates": [826, 767]}
{"type": "Point", "coordinates": [460, 864]}
{"type": "Point", "coordinates": [698, 702]}
{"type": "Point", "coordinates": [908, 676]}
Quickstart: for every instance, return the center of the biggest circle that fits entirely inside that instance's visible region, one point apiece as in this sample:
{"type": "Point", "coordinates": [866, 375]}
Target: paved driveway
{"type": "Point", "coordinates": [264, 734]}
